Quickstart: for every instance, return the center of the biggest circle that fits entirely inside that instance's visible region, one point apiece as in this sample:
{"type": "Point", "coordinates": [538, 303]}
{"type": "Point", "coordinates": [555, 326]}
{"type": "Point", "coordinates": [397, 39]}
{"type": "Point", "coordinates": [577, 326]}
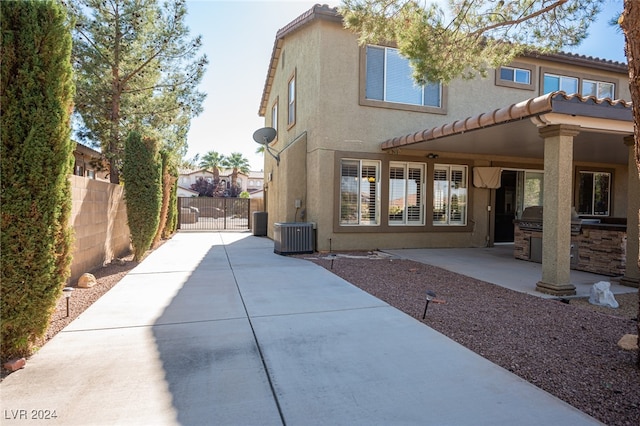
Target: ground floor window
{"type": "Point", "coordinates": [450, 195]}
{"type": "Point", "coordinates": [359, 192]}
{"type": "Point", "coordinates": [593, 193]}
{"type": "Point", "coordinates": [406, 189]}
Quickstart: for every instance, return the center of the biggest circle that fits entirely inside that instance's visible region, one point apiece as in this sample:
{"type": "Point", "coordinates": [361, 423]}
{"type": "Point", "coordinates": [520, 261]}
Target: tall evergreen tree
{"type": "Point", "coordinates": [463, 38]}
{"type": "Point", "coordinates": [169, 178]}
{"type": "Point", "coordinates": [36, 158]}
{"type": "Point", "coordinates": [142, 174]}
{"type": "Point", "coordinates": [136, 66]}
{"type": "Point", "coordinates": [629, 21]}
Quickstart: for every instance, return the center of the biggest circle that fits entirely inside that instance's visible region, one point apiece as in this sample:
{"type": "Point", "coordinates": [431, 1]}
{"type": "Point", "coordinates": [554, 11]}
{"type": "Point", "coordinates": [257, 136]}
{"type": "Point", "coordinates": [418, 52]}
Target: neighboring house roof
{"type": "Point", "coordinates": [193, 172]}
{"type": "Point", "coordinates": [326, 13]}
{"type": "Point", "coordinates": [256, 175]}
{"type": "Point", "coordinates": [83, 149]}
{"type": "Point", "coordinates": [182, 188]}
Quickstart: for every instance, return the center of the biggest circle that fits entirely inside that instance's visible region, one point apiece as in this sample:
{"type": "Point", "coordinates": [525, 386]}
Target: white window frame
{"type": "Point", "coordinates": [599, 86]}
{"type": "Point", "coordinates": [451, 198]}
{"type": "Point", "coordinates": [359, 192]}
{"type": "Point", "coordinates": [400, 198]}
{"type": "Point", "coordinates": [560, 80]}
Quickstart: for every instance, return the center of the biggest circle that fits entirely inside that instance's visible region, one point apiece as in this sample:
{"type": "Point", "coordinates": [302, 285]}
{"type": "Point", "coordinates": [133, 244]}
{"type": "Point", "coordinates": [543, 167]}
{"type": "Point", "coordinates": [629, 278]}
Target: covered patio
{"type": "Point", "coordinates": [497, 265]}
{"type": "Point", "coordinates": [560, 130]}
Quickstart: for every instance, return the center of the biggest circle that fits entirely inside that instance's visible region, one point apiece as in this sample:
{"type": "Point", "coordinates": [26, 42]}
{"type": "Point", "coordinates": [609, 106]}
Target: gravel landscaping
{"type": "Point", "coordinates": [568, 349]}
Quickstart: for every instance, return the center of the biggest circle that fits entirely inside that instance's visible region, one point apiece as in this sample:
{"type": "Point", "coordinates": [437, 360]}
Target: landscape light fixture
{"type": "Point", "coordinates": [331, 257]}
{"type": "Point", "coordinates": [67, 294]}
{"type": "Point", "coordinates": [430, 296]}
{"type": "Point", "coordinates": [264, 137]}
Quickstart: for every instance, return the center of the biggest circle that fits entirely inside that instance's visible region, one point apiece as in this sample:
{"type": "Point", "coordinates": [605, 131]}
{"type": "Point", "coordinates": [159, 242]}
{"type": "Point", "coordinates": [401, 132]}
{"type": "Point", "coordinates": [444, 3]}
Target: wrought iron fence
{"type": "Point", "coordinates": [213, 214]}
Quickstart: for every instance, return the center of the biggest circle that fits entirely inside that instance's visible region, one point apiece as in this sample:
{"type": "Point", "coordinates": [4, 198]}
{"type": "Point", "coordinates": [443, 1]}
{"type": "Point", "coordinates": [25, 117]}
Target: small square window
{"type": "Point", "coordinates": [517, 76]}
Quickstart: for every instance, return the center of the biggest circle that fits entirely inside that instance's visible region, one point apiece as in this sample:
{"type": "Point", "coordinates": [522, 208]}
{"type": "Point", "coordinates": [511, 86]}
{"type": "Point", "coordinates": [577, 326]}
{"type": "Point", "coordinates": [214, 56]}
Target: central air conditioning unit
{"type": "Point", "coordinates": [293, 238]}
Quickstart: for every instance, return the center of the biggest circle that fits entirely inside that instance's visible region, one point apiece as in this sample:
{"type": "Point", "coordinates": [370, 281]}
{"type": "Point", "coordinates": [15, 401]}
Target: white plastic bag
{"type": "Point", "coordinates": [601, 295]}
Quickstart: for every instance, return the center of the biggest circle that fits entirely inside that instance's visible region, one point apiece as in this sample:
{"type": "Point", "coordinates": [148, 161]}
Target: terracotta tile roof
{"type": "Point", "coordinates": [577, 59]}
{"type": "Point", "coordinates": [551, 102]}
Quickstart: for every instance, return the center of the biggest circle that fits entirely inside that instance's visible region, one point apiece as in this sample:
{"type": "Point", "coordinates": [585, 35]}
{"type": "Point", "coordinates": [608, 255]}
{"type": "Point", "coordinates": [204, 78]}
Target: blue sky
{"type": "Point", "coordinates": [238, 38]}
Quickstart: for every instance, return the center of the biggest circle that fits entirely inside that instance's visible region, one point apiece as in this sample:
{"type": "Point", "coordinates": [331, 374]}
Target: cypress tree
{"type": "Point", "coordinates": [172, 215]}
{"type": "Point", "coordinates": [36, 93]}
{"type": "Point", "coordinates": [143, 190]}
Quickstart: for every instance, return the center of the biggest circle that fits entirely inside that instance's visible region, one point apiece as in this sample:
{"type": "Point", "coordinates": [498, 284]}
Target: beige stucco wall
{"type": "Point", "coordinates": [99, 222]}
{"type": "Point", "coordinates": [329, 118]}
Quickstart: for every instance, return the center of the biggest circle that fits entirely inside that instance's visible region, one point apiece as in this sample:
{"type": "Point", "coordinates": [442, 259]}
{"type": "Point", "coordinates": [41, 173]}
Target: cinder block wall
{"type": "Point", "coordinates": [99, 222]}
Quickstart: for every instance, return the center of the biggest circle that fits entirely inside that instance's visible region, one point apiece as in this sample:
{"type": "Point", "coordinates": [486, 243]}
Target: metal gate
{"type": "Point", "coordinates": [213, 214]}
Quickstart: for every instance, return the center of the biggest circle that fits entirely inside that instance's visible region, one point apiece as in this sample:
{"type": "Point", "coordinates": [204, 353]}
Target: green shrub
{"type": "Point", "coordinates": [141, 171]}
{"type": "Point", "coordinates": [36, 158]}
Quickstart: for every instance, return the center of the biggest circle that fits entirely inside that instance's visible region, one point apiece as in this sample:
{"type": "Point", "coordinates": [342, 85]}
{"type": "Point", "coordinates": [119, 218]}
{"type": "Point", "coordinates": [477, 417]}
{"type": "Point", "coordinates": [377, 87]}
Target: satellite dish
{"type": "Point", "coordinates": [265, 135]}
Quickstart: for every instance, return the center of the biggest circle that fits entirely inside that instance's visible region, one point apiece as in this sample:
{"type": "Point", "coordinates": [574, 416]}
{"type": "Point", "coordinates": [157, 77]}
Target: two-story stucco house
{"type": "Point", "coordinates": [378, 162]}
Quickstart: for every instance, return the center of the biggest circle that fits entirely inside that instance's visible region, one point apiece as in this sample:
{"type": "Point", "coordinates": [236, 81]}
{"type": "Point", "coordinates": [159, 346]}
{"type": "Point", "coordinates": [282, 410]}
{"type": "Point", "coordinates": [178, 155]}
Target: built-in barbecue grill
{"type": "Point", "coordinates": [531, 220]}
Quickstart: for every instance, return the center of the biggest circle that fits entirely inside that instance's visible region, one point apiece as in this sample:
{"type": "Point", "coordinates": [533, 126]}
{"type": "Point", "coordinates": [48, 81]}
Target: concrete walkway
{"type": "Point", "coordinates": [216, 329]}
{"type": "Point", "coordinates": [498, 266]}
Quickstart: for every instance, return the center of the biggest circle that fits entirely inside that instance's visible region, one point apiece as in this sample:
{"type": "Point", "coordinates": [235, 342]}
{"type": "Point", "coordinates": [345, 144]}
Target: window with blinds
{"type": "Point", "coordinates": [389, 78]}
{"type": "Point", "coordinates": [450, 195]}
{"type": "Point", "coordinates": [406, 202]}
{"type": "Point", "coordinates": [359, 192]}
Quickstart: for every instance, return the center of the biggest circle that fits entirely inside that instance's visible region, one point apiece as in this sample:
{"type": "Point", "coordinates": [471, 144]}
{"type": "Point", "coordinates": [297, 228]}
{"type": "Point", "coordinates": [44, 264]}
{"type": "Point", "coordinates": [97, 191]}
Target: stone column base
{"type": "Point", "coordinates": [630, 282]}
{"type": "Point", "coordinates": [556, 289]}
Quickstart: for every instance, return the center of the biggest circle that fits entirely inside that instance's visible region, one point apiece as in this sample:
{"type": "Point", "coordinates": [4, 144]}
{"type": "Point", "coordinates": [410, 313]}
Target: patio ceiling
{"type": "Point", "coordinates": [513, 130]}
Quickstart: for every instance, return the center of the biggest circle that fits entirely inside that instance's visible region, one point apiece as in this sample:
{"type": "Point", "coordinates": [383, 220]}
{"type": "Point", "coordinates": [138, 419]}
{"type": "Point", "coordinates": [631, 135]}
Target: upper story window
{"type": "Point", "coordinates": [516, 75]}
{"type": "Point", "coordinates": [553, 83]}
{"type": "Point", "coordinates": [599, 89]}
{"type": "Point", "coordinates": [406, 193]}
{"type": "Point", "coordinates": [291, 101]}
{"type": "Point", "coordinates": [387, 76]}
{"type": "Point", "coordinates": [359, 192]}
{"type": "Point", "coordinates": [593, 193]}
{"type": "Point", "coordinates": [581, 84]}
{"type": "Point", "coordinates": [274, 116]}
{"type": "Point", "coordinates": [450, 195]}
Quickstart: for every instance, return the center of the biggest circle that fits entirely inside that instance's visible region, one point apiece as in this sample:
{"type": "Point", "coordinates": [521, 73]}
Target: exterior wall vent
{"type": "Point", "coordinates": [293, 238]}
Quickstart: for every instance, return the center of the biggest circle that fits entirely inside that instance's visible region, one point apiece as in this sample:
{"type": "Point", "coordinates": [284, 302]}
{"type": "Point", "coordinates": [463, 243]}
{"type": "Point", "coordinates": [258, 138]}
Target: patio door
{"type": "Point", "coordinates": [519, 189]}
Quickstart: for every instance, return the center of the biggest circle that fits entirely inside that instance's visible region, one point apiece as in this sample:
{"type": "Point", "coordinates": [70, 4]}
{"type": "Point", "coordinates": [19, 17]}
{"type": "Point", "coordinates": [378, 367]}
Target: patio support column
{"type": "Point", "coordinates": [556, 221]}
{"type": "Point", "coordinates": [632, 273]}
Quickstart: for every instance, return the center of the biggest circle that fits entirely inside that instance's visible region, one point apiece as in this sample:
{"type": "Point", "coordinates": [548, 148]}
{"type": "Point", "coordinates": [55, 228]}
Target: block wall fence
{"type": "Point", "coordinates": [99, 222]}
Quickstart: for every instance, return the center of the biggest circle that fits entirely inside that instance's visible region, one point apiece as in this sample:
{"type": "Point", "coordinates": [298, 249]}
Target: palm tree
{"type": "Point", "coordinates": [213, 161]}
{"type": "Point", "coordinates": [238, 163]}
